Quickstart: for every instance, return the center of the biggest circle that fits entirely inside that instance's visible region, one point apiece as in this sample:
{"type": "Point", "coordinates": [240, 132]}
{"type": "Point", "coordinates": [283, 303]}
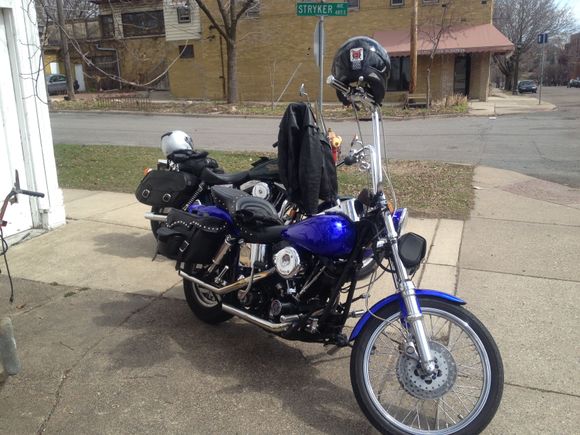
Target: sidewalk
{"type": "Point", "coordinates": [109, 346]}
{"type": "Point", "coordinates": [503, 103]}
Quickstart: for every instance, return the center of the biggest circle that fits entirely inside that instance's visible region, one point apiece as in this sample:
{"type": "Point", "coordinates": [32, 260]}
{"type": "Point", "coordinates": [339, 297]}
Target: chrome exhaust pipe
{"type": "Point", "coordinates": [155, 217]}
{"type": "Point", "coordinates": [268, 326]}
{"type": "Point", "coordinates": [228, 288]}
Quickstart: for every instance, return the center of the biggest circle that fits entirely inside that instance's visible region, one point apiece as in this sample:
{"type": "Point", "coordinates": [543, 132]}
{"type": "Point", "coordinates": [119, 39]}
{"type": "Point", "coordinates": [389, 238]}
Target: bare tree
{"type": "Point", "coordinates": [230, 12]}
{"type": "Point", "coordinates": [434, 34]}
{"type": "Point", "coordinates": [522, 21]}
{"type": "Point", "coordinates": [73, 10]}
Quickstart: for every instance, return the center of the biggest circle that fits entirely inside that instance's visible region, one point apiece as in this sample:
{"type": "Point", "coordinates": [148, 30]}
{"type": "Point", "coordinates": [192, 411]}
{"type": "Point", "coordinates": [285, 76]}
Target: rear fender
{"type": "Point", "coordinates": [398, 299]}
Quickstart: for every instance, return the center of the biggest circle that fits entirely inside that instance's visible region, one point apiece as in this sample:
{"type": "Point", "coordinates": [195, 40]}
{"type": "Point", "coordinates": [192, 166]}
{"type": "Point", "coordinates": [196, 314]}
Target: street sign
{"type": "Point", "coordinates": [543, 38]}
{"type": "Point", "coordinates": [322, 9]}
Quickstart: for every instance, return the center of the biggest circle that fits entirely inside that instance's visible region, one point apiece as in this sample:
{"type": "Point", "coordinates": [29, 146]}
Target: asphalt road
{"type": "Point", "coordinates": [543, 145]}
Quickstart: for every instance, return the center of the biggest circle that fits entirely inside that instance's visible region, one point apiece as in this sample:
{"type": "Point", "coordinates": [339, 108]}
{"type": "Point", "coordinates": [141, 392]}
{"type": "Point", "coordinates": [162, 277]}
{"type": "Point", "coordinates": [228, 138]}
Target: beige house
{"type": "Point", "coordinates": [276, 47]}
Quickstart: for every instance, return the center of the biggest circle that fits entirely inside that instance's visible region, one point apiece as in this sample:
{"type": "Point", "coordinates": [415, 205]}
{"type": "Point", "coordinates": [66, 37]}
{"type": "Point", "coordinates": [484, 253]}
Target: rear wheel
{"type": "Point", "coordinates": [369, 265]}
{"type": "Point", "coordinates": [398, 397]}
{"type": "Point", "coordinates": [206, 305]}
{"type": "Point", "coordinates": [155, 225]}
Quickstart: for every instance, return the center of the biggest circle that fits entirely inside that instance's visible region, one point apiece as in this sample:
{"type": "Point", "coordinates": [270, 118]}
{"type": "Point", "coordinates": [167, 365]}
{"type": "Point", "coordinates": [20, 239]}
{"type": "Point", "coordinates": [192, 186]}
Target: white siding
{"type": "Point", "coordinates": [30, 147]}
{"type": "Point", "coordinates": [175, 31]}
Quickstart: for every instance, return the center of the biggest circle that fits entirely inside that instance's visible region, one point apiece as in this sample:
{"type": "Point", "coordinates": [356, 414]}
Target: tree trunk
{"type": "Point", "coordinates": [232, 73]}
{"type": "Point", "coordinates": [508, 81]}
{"type": "Point", "coordinates": [429, 86]}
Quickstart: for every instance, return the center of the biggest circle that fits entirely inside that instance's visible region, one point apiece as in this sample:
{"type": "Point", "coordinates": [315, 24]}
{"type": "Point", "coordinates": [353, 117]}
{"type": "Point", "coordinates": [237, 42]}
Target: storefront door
{"type": "Point", "coordinates": [461, 74]}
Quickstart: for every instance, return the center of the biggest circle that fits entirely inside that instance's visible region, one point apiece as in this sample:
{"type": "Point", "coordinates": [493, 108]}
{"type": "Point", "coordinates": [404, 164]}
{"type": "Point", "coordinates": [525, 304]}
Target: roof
{"type": "Point", "coordinates": [472, 39]}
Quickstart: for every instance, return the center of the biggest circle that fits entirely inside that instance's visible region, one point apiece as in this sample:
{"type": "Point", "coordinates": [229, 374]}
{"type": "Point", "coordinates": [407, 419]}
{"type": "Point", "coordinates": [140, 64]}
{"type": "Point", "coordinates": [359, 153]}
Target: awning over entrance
{"type": "Point", "coordinates": [472, 39]}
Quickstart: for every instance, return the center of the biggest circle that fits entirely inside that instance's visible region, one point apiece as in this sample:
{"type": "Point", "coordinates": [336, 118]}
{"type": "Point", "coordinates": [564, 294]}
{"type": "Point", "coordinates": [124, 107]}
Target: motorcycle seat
{"type": "Point", "coordinates": [226, 197]}
{"type": "Point", "coordinates": [256, 218]}
{"type": "Point", "coordinates": [214, 179]}
{"type": "Point", "coordinates": [263, 234]}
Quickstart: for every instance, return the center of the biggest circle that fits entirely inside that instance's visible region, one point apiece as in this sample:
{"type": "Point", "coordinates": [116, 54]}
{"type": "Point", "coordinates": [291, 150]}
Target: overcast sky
{"type": "Point", "coordinates": [575, 5]}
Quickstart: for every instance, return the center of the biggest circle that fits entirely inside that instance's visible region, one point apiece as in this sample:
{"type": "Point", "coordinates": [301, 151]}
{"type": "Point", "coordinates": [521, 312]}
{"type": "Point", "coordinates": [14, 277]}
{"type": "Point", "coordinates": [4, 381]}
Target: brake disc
{"type": "Point", "coordinates": [422, 385]}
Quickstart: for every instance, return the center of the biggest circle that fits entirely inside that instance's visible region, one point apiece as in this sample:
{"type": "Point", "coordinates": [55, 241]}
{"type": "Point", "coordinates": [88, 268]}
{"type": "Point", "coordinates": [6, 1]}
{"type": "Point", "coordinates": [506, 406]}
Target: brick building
{"type": "Point", "coordinates": [275, 46]}
{"type": "Point", "coordinates": [572, 53]}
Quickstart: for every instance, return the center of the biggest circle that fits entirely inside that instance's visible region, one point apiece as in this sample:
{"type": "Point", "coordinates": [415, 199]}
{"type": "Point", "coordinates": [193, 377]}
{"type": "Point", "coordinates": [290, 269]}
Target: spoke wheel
{"type": "Point", "coordinates": [203, 303]}
{"type": "Point", "coordinates": [398, 397]}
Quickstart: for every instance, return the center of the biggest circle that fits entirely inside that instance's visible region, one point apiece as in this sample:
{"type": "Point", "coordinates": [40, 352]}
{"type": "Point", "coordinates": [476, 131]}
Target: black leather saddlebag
{"type": "Point", "coordinates": [166, 188]}
{"type": "Point", "coordinates": [190, 237]}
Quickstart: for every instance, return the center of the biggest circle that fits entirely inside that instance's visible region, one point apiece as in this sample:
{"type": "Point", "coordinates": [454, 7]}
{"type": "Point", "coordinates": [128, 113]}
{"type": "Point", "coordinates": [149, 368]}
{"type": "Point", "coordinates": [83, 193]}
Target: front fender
{"type": "Point", "coordinates": [398, 298]}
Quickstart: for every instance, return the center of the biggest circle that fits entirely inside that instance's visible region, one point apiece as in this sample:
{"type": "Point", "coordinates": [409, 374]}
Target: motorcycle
{"type": "Point", "coordinates": [420, 362]}
{"type": "Point", "coordinates": [9, 361]}
{"type": "Point", "coordinates": [186, 177]}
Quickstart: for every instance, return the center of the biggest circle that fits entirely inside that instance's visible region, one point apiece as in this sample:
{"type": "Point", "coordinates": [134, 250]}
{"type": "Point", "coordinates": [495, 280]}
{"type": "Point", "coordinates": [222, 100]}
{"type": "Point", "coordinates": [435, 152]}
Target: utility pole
{"type": "Point", "coordinates": [413, 50]}
{"type": "Point", "coordinates": [517, 68]}
{"type": "Point", "coordinates": [542, 39]}
{"type": "Point", "coordinates": [321, 61]}
{"type": "Point", "coordinates": [65, 53]}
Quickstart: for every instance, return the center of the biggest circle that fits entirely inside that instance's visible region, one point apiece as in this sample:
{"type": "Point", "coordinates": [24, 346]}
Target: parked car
{"type": "Point", "coordinates": [527, 86]}
{"type": "Point", "coordinates": [574, 83]}
{"type": "Point", "coordinates": [56, 84]}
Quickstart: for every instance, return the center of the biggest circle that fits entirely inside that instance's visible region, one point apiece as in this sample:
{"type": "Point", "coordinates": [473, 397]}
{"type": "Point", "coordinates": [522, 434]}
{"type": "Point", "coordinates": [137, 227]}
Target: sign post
{"type": "Point", "coordinates": [320, 10]}
{"type": "Point", "coordinates": [542, 39]}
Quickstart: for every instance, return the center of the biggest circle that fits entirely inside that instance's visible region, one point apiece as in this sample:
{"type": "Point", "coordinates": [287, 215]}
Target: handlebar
{"type": "Point", "coordinates": [30, 193]}
{"type": "Point", "coordinates": [351, 93]}
{"type": "Point", "coordinates": [9, 200]}
{"type": "Point", "coordinates": [352, 158]}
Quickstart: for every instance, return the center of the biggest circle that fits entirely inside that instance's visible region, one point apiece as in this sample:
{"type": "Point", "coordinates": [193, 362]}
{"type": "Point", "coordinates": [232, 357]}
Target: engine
{"type": "Point", "coordinates": [300, 283]}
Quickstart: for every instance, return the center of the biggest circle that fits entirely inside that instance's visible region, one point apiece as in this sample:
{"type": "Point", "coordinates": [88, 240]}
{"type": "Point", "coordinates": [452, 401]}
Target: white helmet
{"type": "Point", "coordinates": [175, 140]}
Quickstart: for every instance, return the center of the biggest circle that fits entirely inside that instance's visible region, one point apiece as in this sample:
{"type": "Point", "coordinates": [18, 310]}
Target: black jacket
{"type": "Point", "coordinates": [305, 159]}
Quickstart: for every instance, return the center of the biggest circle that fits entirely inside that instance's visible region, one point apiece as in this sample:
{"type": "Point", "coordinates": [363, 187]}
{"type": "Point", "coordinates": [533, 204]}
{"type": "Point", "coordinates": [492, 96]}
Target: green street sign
{"type": "Point", "coordinates": [322, 9]}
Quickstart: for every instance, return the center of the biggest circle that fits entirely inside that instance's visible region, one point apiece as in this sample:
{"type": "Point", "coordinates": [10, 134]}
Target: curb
{"type": "Point", "coordinates": [223, 115]}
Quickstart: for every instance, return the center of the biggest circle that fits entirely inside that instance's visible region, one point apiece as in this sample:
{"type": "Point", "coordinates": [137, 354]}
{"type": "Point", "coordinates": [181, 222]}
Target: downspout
{"type": "Point", "coordinates": [116, 61]}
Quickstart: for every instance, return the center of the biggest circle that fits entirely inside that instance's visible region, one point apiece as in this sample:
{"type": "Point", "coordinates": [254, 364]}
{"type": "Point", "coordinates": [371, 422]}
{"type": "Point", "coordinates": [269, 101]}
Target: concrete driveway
{"type": "Point", "coordinates": [109, 346]}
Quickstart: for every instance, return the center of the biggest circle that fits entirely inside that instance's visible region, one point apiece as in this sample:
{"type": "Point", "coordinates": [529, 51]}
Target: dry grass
{"type": "Point", "coordinates": [331, 111]}
{"type": "Point", "coordinates": [428, 189]}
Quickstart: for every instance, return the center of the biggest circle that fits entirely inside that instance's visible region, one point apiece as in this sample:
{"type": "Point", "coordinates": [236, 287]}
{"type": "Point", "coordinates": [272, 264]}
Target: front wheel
{"type": "Point", "coordinates": [461, 397]}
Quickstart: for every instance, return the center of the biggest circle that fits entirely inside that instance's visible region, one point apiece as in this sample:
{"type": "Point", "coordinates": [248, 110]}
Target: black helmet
{"type": "Point", "coordinates": [364, 57]}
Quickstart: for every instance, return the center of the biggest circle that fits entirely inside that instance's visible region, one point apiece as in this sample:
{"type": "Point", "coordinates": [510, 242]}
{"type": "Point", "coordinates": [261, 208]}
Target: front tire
{"type": "Point", "coordinates": [399, 398]}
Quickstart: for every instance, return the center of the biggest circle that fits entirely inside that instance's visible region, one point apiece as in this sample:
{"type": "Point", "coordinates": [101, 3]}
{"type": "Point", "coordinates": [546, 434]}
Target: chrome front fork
{"type": "Point", "coordinates": [407, 290]}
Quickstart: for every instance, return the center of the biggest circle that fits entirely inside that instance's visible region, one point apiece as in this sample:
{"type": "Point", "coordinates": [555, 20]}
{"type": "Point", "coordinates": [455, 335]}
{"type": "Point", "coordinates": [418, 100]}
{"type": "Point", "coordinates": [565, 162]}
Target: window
{"type": "Point", "coordinates": [186, 51]}
{"type": "Point", "coordinates": [57, 79]}
{"type": "Point", "coordinates": [353, 4]}
{"type": "Point", "coordinates": [427, 2]}
{"type": "Point", "coordinates": [184, 13]}
{"type": "Point", "coordinates": [107, 26]}
{"type": "Point", "coordinates": [400, 74]}
{"type": "Point", "coordinates": [397, 2]}
{"type": "Point", "coordinates": [143, 23]}
{"type": "Point", "coordinates": [254, 10]}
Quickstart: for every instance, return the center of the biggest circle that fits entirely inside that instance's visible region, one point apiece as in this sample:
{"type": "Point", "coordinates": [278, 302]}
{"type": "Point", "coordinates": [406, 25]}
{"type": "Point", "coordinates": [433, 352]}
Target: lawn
{"type": "Point", "coordinates": [428, 189]}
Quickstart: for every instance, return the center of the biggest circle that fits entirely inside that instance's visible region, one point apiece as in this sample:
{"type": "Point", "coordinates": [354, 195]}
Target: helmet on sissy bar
{"type": "Point", "coordinates": [362, 61]}
{"type": "Point", "coordinates": [176, 141]}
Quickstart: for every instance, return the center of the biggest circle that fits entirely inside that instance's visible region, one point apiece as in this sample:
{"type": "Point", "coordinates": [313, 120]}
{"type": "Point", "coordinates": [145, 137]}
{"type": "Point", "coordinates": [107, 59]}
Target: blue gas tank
{"type": "Point", "coordinates": [328, 235]}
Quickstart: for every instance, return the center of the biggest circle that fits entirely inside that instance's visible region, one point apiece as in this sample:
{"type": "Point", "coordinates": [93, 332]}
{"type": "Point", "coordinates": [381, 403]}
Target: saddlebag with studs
{"type": "Point", "coordinates": [191, 238]}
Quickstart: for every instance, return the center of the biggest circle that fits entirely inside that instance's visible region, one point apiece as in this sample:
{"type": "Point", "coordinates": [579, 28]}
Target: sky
{"type": "Point", "coordinates": [575, 6]}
